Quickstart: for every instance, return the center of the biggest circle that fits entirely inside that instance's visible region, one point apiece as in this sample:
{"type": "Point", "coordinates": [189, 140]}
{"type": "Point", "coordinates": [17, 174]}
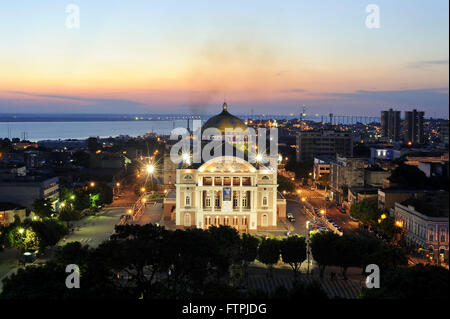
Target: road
{"type": "Point", "coordinates": [152, 214]}
{"type": "Point", "coordinates": [299, 226]}
{"type": "Point", "coordinates": [317, 199]}
{"type": "Point", "coordinates": [93, 230]}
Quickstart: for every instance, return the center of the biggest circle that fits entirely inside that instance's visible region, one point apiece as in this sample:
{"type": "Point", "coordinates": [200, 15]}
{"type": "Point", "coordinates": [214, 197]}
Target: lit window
{"type": "Point", "coordinates": [188, 201]}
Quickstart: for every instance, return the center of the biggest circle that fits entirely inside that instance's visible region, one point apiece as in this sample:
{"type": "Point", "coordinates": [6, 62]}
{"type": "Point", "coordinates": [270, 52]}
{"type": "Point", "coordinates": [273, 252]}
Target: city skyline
{"type": "Point", "coordinates": [172, 58]}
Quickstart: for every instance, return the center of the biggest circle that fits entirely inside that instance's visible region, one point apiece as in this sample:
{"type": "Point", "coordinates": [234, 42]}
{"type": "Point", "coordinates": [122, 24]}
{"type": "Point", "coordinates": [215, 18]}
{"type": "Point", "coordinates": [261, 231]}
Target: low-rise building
{"type": "Point", "coordinates": [425, 222]}
{"type": "Point", "coordinates": [25, 190]}
{"type": "Point", "coordinates": [345, 172]}
{"type": "Point", "coordinates": [322, 166]}
{"type": "Point", "coordinates": [358, 194]}
{"type": "Point", "coordinates": [374, 176]}
{"type": "Point", "coordinates": [9, 212]}
{"type": "Point", "coordinates": [387, 197]}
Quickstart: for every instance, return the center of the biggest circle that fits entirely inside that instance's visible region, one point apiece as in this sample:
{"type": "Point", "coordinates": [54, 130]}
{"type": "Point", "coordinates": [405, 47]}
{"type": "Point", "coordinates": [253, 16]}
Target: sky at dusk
{"type": "Point", "coordinates": [188, 56]}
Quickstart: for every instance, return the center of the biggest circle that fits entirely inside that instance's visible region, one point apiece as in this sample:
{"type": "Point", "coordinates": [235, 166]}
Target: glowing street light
{"type": "Point", "coordinates": [130, 211]}
{"type": "Point", "coordinates": [72, 197]}
{"type": "Point", "coordinates": [383, 216]}
{"type": "Point", "coordinates": [92, 184]}
{"type": "Point", "coordinates": [259, 158]}
{"type": "Point", "coordinates": [143, 189]}
{"type": "Point", "coordinates": [322, 211]}
{"type": "Point", "coordinates": [118, 184]}
{"type": "Point", "coordinates": [150, 168]}
{"type": "Point", "coordinates": [21, 230]}
{"type": "Point", "coordinates": [303, 199]}
{"type": "Point", "coordinates": [186, 158]}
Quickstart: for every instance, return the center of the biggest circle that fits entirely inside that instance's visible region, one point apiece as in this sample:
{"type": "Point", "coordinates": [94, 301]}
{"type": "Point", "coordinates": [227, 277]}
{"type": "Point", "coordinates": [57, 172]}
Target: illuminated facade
{"type": "Point", "coordinates": [226, 190]}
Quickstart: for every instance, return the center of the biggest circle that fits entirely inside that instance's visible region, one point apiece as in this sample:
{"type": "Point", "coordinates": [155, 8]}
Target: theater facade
{"type": "Point", "coordinates": [225, 190]}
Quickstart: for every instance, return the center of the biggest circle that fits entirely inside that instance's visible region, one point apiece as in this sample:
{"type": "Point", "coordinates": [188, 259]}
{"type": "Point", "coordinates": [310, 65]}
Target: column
{"type": "Point", "coordinates": [213, 200]}
{"type": "Point", "coordinates": [240, 200]}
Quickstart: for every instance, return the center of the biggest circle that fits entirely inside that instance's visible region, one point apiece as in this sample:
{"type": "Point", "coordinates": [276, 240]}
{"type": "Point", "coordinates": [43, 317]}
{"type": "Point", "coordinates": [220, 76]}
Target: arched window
{"type": "Point", "coordinates": [207, 221]}
{"type": "Point", "coordinates": [208, 201]}
{"type": "Point", "coordinates": [264, 220]}
{"type": "Point", "coordinates": [188, 200]}
{"type": "Point", "coordinates": [244, 221]}
{"type": "Point", "coordinates": [226, 221]}
{"type": "Point", "coordinates": [264, 201]}
{"type": "Point", "coordinates": [265, 178]}
{"type": "Point", "coordinates": [216, 221]}
{"type": "Point", "coordinates": [187, 220]}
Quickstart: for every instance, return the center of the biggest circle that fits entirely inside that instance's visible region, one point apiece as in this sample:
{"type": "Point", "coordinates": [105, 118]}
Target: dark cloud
{"type": "Point", "coordinates": [422, 64]}
{"type": "Point", "coordinates": [293, 91]}
{"type": "Point", "coordinates": [70, 104]}
{"type": "Point", "coordinates": [434, 97]}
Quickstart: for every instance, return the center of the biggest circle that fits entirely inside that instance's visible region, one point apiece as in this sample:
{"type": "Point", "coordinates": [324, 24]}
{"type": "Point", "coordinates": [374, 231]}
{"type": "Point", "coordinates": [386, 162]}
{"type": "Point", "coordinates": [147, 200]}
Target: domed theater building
{"type": "Point", "coordinates": [225, 190]}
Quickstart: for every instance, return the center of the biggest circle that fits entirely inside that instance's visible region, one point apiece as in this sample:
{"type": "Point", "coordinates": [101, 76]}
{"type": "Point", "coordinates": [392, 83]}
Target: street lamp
{"type": "Point", "coordinates": [303, 199]}
{"type": "Point", "coordinates": [307, 245]}
{"type": "Point", "coordinates": [21, 230]}
{"type": "Point", "coordinates": [150, 168]}
{"type": "Point", "coordinates": [322, 211]}
{"type": "Point", "coordinates": [92, 184]}
{"type": "Point", "coordinates": [143, 189]}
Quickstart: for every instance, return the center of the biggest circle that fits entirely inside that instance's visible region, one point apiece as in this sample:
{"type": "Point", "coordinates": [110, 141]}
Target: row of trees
{"type": "Point", "coordinates": [369, 214]}
{"type": "Point", "coordinates": [152, 262]}
{"type": "Point", "coordinates": [355, 250]}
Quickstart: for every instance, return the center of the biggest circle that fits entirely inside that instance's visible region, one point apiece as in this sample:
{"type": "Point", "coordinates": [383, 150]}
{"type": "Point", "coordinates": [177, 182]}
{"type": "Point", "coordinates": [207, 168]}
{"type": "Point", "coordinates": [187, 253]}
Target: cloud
{"type": "Point", "coordinates": [428, 63]}
{"type": "Point", "coordinates": [433, 97]}
{"type": "Point", "coordinates": [71, 103]}
{"type": "Point", "coordinates": [293, 91]}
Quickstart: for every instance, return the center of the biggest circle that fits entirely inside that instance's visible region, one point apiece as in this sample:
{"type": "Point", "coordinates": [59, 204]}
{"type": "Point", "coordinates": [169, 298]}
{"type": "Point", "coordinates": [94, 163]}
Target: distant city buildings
{"type": "Point", "coordinates": [413, 131]}
{"type": "Point", "coordinates": [391, 125]}
{"type": "Point", "coordinates": [311, 144]}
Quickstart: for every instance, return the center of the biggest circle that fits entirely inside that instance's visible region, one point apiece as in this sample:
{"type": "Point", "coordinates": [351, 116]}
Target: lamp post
{"type": "Point", "coordinates": [307, 246]}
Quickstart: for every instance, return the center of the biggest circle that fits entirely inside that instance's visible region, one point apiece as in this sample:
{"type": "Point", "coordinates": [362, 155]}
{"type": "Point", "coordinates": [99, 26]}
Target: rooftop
{"type": "Point", "coordinates": [433, 204]}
